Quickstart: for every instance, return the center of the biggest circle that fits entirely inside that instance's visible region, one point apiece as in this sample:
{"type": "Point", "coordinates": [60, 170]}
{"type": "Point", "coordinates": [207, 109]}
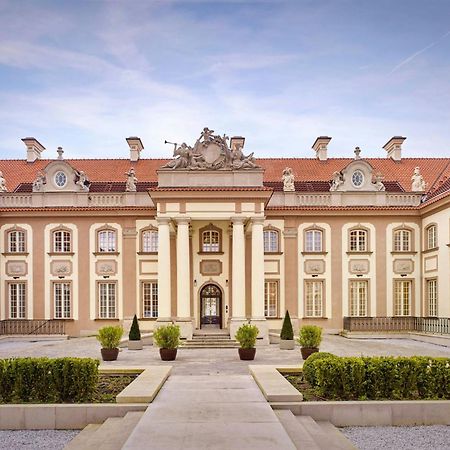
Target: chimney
{"type": "Point", "coordinates": [393, 147]}
{"type": "Point", "coordinates": [237, 141]}
{"type": "Point", "coordinates": [34, 148]}
{"type": "Point", "coordinates": [320, 147]}
{"type": "Point", "coordinates": [136, 147]}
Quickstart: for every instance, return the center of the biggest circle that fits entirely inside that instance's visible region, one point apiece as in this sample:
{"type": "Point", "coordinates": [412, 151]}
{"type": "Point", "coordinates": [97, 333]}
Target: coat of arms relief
{"type": "Point", "coordinates": [210, 152]}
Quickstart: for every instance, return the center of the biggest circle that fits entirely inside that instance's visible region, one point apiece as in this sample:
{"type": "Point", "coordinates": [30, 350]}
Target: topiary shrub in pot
{"type": "Point", "coordinates": [287, 334]}
{"type": "Point", "coordinates": [134, 336]}
{"type": "Point", "coordinates": [246, 336]}
{"type": "Point", "coordinates": [109, 338]}
{"type": "Point", "coordinates": [167, 338]}
{"type": "Point", "coordinates": [310, 337]}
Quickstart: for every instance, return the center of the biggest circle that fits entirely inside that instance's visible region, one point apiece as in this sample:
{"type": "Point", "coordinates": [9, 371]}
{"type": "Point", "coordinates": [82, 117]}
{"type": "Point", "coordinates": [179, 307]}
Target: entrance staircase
{"type": "Point", "coordinates": [306, 433]}
{"type": "Point", "coordinates": [211, 339]}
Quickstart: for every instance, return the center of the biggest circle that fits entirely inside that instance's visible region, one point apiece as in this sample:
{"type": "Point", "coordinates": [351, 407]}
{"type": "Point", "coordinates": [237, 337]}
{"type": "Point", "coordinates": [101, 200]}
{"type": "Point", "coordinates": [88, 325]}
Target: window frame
{"type": "Point", "coordinates": [314, 282]}
{"type": "Point", "coordinates": [276, 232]}
{"type": "Point", "coordinates": [152, 284]}
{"type": "Point", "coordinates": [53, 240]}
{"type": "Point", "coordinates": [98, 240]}
{"type": "Point", "coordinates": [431, 226]}
{"type": "Point", "coordinates": [366, 283]}
{"type": "Point", "coordinates": [209, 229]}
{"type": "Point", "coordinates": [101, 283]}
{"type": "Point", "coordinates": [360, 231]}
{"type": "Point", "coordinates": [401, 241]}
{"type": "Point", "coordinates": [399, 309]}
{"type": "Point", "coordinates": [16, 231]}
{"type": "Point", "coordinates": [428, 308]}
{"type": "Point", "coordinates": [314, 230]}
{"type": "Point", "coordinates": [18, 308]}
{"type": "Point", "coordinates": [64, 315]}
{"type": "Point", "coordinates": [145, 230]}
{"type": "Point", "coordinates": [267, 308]}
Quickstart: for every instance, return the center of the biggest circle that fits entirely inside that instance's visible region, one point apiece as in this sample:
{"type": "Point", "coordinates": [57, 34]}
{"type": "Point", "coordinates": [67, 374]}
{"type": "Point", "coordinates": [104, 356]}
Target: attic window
{"type": "Point", "coordinates": [357, 178]}
{"type": "Point", "coordinates": [60, 179]}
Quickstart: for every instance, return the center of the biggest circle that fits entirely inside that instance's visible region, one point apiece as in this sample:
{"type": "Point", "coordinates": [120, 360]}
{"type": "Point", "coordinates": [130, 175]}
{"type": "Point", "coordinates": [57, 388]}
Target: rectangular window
{"type": "Point", "coordinates": [402, 241]}
{"type": "Point", "coordinates": [358, 298]}
{"type": "Point", "coordinates": [107, 300]}
{"type": "Point", "coordinates": [61, 241]}
{"type": "Point", "coordinates": [16, 242]}
{"type": "Point", "coordinates": [270, 241]}
{"type": "Point", "coordinates": [270, 298]}
{"type": "Point", "coordinates": [402, 297]}
{"type": "Point", "coordinates": [150, 241]}
{"type": "Point", "coordinates": [150, 299]}
{"type": "Point", "coordinates": [61, 300]}
{"type": "Point", "coordinates": [431, 237]}
{"type": "Point", "coordinates": [314, 298]}
{"type": "Point", "coordinates": [211, 242]}
{"type": "Point", "coordinates": [432, 297]}
{"type": "Point", "coordinates": [107, 241]}
{"type": "Point", "coordinates": [17, 299]}
{"type": "Point", "coordinates": [358, 241]}
{"type": "Point", "coordinates": [313, 242]}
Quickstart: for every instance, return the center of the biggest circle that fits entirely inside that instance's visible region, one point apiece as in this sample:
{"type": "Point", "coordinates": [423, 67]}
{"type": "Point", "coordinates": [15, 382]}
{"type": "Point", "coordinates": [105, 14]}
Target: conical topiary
{"type": "Point", "coordinates": [135, 333]}
{"type": "Point", "coordinates": [287, 333]}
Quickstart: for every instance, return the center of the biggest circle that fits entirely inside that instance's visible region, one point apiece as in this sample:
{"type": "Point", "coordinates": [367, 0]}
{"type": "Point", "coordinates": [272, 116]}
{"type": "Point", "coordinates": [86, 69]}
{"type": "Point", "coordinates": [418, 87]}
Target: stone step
{"type": "Point", "coordinates": [211, 337]}
{"type": "Point", "coordinates": [321, 435]}
{"type": "Point", "coordinates": [340, 441]}
{"type": "Point", "coordinates": [190, 346]}
{"type": "Point", "coordinates": [79, 442]}
{"type": "Point", "coordinates": [299, 435]}
{"type": "Point", "coordinates": [111, 435]}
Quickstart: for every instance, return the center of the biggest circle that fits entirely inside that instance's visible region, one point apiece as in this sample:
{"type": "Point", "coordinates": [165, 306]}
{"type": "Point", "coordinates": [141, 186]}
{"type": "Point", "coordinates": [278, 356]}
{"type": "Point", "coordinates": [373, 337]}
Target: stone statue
{"type": "Point", "coordinates": [210, 152]}
{"type": "Point", "coordinates": [39, 182]}
{"type": "Point", "coordinates": [378, 182]}
{"type": "Point", "coordinates": [240, 161]}
{"type": "Point", "coordinates": [337, 181]}
{"type": "Point", "coordinates": [418, 183]}
{"type": "Point", "coordinates": [82, 180]}
{"type": "Point", "coordinates": [131, 180]}
{"type": "Point", "coordinates": [288, 180]}
{"type": "Point", "coordinates": [3, 187]}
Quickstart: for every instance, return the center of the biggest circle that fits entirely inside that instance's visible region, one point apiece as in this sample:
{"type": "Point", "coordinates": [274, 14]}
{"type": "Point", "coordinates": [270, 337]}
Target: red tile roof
{"type": "Point", "coordinates": [309, 172]}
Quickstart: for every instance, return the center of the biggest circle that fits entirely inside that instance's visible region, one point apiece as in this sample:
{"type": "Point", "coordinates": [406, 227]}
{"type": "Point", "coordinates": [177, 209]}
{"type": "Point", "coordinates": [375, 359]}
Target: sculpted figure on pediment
{"type": "Point", "coordinates": [131, 180]}
{"type": "Point", "coordinates": [418, 183]}
{"type": "Point", "coordinates": [378, 182]}
{"type": "Point", "coordinates": [288, 180]}
{"type": "Point", "coordinates": [338, 180]}
{"type": "Point", "coordinates": [39, 182]}
{"type": "Point", "coordinates": [82, 180]}
{"type": "Point", "coordinates": [3, 187]}
{"type": "Point", "coordinates": [210, 152]}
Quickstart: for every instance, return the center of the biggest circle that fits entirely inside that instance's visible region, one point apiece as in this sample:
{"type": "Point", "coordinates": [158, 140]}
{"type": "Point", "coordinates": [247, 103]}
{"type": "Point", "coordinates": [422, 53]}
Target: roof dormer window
{"type": "Point", "coordinates": [357, 178]}
{"type": "Point", "coordinates": [60, 179]}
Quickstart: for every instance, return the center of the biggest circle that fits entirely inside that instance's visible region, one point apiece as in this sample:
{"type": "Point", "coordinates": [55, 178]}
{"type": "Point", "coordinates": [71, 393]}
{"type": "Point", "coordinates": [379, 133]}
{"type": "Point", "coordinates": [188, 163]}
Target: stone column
{"type": "Point", "coordinates": [183, 319]}
{"type": "Point", "coordinates": [258, 317]}
{"type": "Point", "coordinates": [164, 287]}
{"type": "Point", "coordinates": [238, 276]}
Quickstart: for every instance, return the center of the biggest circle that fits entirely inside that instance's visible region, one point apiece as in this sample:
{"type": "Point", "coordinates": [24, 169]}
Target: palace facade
{"type": "Point", "coordinates": [214, 238]}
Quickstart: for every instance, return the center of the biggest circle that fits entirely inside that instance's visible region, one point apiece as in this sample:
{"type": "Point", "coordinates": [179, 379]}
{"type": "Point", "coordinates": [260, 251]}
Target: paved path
{"type": "Point", "coordinates": [209, 412]}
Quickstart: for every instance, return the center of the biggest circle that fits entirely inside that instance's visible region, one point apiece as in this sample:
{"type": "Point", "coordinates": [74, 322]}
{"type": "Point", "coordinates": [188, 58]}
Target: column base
{"type": "Point", "coordinates": [235, 323]}
{"type": "Point", "coordinates": [186, 325]}
{"type": "Point", "coordinates": [263, 327]}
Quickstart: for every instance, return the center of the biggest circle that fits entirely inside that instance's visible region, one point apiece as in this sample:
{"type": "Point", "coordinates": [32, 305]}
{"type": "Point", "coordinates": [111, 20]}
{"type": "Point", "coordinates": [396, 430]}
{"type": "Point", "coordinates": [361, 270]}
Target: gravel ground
{"type": "Point", "coordinates": [36, 439]}
{"type": "Point", "coordinates": [436, 437]}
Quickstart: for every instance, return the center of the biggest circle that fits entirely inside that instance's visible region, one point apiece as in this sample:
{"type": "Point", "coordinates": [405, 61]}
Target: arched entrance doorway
{"type": "Point", "coordinates": [210, 306]}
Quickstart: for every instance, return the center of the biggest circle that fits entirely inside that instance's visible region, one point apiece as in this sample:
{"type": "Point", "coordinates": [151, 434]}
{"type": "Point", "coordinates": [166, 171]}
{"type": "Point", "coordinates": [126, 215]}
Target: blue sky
{"type": "Point", "coordinates": [87, 74]}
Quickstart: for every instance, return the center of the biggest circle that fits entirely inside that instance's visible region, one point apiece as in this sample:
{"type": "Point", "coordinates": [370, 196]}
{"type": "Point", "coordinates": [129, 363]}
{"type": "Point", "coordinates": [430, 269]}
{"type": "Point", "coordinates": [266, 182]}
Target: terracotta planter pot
{"type": "Point", "coordinates": [308, 351]}
{"type": "Point", "coordinates": [168, 354]}
{"type": "Point", "coordinates": [109, 354]}
{"type": "Point", "coordinates": [135, 345]}
{"type": "Point", "coordinates": [287, 344]}
{"type": "Point", "coordinates": [247, 354]}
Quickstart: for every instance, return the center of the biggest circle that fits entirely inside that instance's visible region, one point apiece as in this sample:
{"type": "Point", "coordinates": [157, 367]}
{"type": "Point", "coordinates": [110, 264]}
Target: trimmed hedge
{"type": "Point", "coordinates": [46, 380]}
{"type": "Point", "coordinates": [376, 378]}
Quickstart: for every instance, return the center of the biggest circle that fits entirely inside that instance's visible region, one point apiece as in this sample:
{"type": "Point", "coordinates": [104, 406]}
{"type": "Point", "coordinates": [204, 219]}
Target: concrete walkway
{"type": "Point", "coordinates": [209, 412]}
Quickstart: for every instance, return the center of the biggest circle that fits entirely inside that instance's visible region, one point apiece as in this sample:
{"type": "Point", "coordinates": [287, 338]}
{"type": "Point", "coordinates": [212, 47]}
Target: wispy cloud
{"type": "Point", "coordinates": [419, 52]}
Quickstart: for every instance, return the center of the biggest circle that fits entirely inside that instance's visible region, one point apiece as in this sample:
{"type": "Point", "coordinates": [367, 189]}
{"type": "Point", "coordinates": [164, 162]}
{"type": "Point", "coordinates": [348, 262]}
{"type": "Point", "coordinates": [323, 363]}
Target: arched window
{"type": "Point", "coordinates": [210, 241]}
{"type": "Point", "coordinates": [431, 237]}
{"type": "Point", "coordinates": [62, 241]}
{"type": "Point", "coordinates": [150, 241]}
{"type": "Point", "coordinates": [314, 240]}
{"type": "Point", "coordinates": [271, 241]}
{"type": "Point", "coordinates": [402, 241]}
{"type": "Point", "coordinates": [16, 241]}
{"type": "Point", "coordinates": [358, 240]}
{"type": "Point", "coordinates": [107, 241]}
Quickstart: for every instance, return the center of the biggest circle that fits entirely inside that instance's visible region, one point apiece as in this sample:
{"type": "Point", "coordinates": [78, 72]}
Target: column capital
{"type": "Point", "coordinates": [258, 220]}
{"type": "Point", "coordinates": [182, 220]}
{"type": "Point", "coordinates": [238, 220]}
{"type": "Point", "coordinates": [163, 220]}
